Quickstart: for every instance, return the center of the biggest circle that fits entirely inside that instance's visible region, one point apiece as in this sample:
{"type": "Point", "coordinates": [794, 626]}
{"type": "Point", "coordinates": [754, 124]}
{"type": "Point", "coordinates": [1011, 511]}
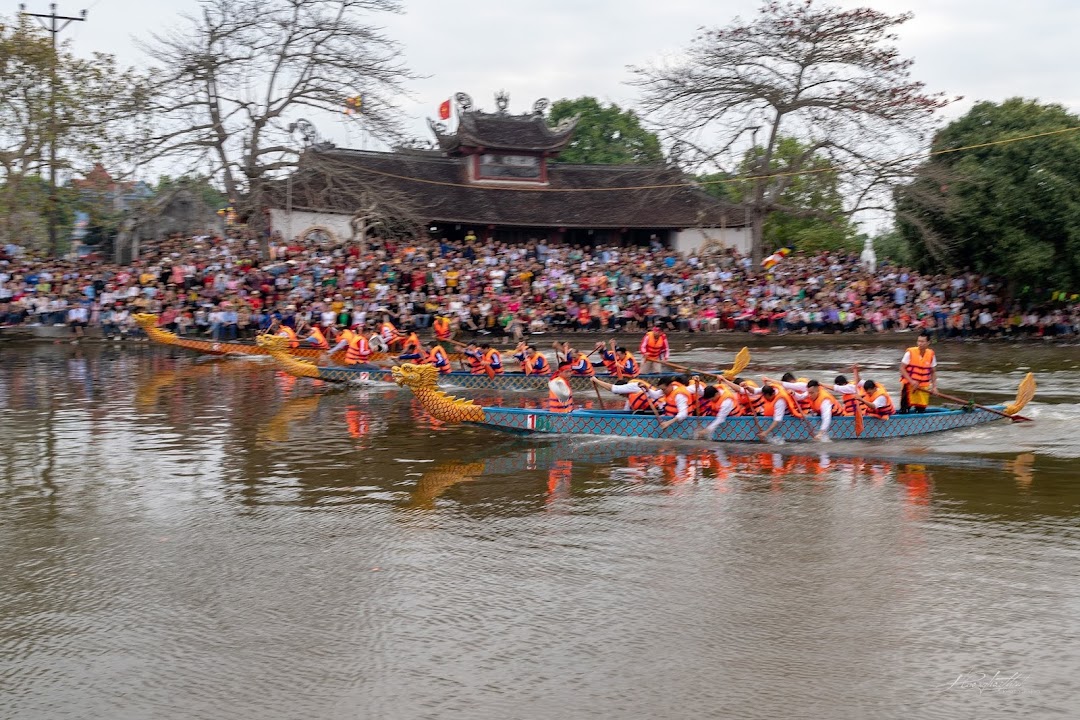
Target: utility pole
{"type": "Point", "coordinates": [54, 27]}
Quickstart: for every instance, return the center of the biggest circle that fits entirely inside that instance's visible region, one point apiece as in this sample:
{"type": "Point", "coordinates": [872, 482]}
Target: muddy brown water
{"type": "Point", "coordinates": [193, 539]}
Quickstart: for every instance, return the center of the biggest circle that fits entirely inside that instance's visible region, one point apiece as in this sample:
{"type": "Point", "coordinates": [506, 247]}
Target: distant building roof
{"type": "Point", "coordinates": [439, 190]}
{"type": "Point", "coordinates": [499, 131]}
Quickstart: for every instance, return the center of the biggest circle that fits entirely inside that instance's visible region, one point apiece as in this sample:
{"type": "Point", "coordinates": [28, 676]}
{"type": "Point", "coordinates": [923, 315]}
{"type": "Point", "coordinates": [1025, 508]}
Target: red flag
{"type": "Point", "coordinates": [444, 110]}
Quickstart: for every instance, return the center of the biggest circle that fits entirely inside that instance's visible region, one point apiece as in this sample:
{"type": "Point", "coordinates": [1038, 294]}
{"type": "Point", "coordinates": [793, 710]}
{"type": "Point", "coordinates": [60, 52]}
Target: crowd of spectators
{"type": "Point", "coordinates": [221, 287]}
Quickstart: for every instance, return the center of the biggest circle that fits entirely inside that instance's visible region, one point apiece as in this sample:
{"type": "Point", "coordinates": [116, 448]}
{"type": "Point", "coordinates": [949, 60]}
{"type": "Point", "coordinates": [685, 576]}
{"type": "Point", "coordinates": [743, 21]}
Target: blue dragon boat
{"type": "Point", "coordinates": [370, 373]}
{"type": "Point", "coordinates": [421, 379]}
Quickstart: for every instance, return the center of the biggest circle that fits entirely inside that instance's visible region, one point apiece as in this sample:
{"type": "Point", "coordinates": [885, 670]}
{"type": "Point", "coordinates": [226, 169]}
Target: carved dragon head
{"type": "Point", "coordinates": [415, 376]}
{"type": "Point", "coordinates": [423, 381]}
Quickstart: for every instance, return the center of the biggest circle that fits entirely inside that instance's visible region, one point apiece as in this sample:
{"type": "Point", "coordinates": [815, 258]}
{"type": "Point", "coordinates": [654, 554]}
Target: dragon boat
{"type": "Point", "coordinates": [422, 380]}
{"type": "Point", "coordinates": [149, 323]}
{"type": "Point", "coordinates": [370, 373]}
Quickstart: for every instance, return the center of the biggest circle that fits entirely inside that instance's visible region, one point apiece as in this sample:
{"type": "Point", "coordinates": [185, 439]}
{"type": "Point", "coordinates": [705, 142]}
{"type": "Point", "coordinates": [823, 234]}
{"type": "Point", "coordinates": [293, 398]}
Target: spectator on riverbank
{"type": "Point", "coordinates": [218, 287]}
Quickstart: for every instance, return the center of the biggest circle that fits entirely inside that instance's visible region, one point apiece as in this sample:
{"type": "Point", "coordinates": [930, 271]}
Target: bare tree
{"type": "Point", "coordinates": [328, 180]}
{"type": "Point", "coordinates": [231, 83]}
{"type": "Point", "coordinates": [829, 77]}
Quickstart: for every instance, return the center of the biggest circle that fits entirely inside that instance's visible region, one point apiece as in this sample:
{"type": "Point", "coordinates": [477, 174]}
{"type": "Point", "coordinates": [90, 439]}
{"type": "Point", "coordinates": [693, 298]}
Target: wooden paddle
{"type": "Point", "coordinates": [1014, 418]}
{"type": "Point", "coordinates": [742, 360]}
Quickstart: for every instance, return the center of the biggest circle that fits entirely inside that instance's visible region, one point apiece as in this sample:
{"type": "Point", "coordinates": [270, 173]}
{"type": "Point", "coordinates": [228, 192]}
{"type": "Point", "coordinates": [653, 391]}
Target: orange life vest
{"type": "Point", "coordinates": [557, 405]}
{"type": "Point", "coordinates": [476, 362]}
{"type": "Point", "coordinates": [583, 367]}
{"type": "Point", "coordinates": [783, 396]}
{"type": "Point", "coordinates": [320, 339]}
{"type": "Point", "coordinates": [287, 332]}
{"type": "Point", "coordinates": [640, 402]}
{"type": "Point", "coordinates": [752, 404]}
{"type": "Point", "coordinates": [442, 328]}
{"type": "Point", "coordinates": [358, 349]}
{"type": "Point", "coordinates": [389, 333]}
{"type": "Point", "coordinates": [628, 368]}
{"type": "Point", "coordinates": [492, 359]}
{"type": "Point", "coordinates": [671, 408]}
{"type": "Point", "coordinates": [654, 345]}
{"type": "Point", "coordinates": [544, 369]}
{"type": "Point", "coordinates": [883, 412]}
{"type": "Point", "coordinates": [439, 359]}
{"type": "Point", "coordinates": [827, 398]}
{"type": "Point", "coordinates": [711, 407]}
{"type": "Point", "coordinates": [920, 368]}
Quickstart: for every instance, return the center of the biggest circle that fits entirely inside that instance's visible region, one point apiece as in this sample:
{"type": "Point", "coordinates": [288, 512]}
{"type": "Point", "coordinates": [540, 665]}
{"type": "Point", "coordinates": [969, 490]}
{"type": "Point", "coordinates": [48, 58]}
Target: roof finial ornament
{"type": "Point", "coordinates": [502, 101]}
{"type": "Point", "coordinates": [464, 102]}
{"type": "Point", "coordinates": [540, 106]}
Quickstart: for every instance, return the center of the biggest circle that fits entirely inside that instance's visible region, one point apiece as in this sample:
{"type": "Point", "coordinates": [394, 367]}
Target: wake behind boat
{"type": "Point", "coordinates": [421, 379]}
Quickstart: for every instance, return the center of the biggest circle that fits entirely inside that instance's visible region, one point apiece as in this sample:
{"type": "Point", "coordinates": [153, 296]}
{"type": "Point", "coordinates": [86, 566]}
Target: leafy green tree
{"type": "Point", "coordinates": [97, 106]}
{"type": "Point", "coordinates": [1010, 209]}
{"type": "Point", "coordinates": [808, 212]}
{"type": "Point", "coordinates": [606, 135]}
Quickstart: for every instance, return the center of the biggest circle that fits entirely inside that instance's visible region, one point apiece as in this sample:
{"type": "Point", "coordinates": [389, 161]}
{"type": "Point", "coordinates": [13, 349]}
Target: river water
{"type": "Point", "coordinates": [185, 538]}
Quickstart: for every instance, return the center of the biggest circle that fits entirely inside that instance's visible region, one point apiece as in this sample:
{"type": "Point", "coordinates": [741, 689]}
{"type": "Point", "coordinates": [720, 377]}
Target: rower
{"type": "Point", "coordinates": [778, 403]}
{"type": "Point", "coordinates": [490, 360]}
{"type": "Point", "coordinates": [717, 401]}
{"type": "Point", "coordinates": [357, 347]}
{"type": "Point", "coordinates": [286, 332]}
{"type": "Point", "coordinates": [641, 397]}
{"type": "Point", "coordinates": [846, 392]}
{"type": "Point", "coordinates": [580, 365]}
{"type": "Point", "coordinates": [315, 337]}
{"type": "Point", "coordinates": [560, 396]}
{"type": "Point", "coordinates": [797, 388]}
{"type": "Point", "coordinates": [625, 364]}
{"type": "Point", "coordinates": [824, 404]}
{"type": "Point", "coordinates": [412, 350]}
{"type": "Point", "coordinates": [475, 357]}
{"type": "Point", "coordinates": [918, 376]}
{"type": "Point", "coordinates": [535, 363]}
{"type": "Point", "coordinates": [875, 400]}
{"type": "Point", "coordinates": [439, 359]}
{"type": "Point", "coordinates": [389, 333]}
{"type": "Point", "coordinates": [677, 400]}
{"type": "Point", "coordinates": [654, 349]}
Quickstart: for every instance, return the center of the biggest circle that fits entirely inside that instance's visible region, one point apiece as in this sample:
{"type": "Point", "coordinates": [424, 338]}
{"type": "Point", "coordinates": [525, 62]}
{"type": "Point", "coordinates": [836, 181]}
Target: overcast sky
{"type": "Point", "coordinates": [981, 49]}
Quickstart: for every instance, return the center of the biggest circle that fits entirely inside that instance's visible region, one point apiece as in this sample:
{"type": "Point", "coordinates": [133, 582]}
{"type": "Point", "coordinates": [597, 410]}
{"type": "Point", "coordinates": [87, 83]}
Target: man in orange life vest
{"type": "Point", "coordinates": [560, 396]}
{"type": "Point", "coordinates": [580, 365]}
{"type": "Point", "coordinates": [438, 358]}
{"type": "Point", "coordinates": [654, 349]}
{"type": "Point", "coordinates": [825, 405]}
{"type": "Point", "coordinates": [778, 403]}
{"type": "Point", "coordinates": [535, 363]}
{"type": "Point", "coordinates": [280, 329]}
{"type": "Point", "coordinates": [918, 376]}
{"type": "Point", "coordinates": [315, 337]}
{"type": "Point", "coordinates": [356, 344]}
{"type": "Point", "coordinates": [678, 401]}
{"type": "Point", "coordinates": [412, 350]}
{"type": "Point", "coordinates": [717, 401]}
{"type": "Point", "coordinates": [441, 326]}
{"type": "Point", "coordinates": [641, 397]}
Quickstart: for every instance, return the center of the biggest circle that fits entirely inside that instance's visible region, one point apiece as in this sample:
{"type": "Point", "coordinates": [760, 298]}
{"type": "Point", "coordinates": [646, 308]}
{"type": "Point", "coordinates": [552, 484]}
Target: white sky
{"type": "Point", "coordinates": [981, 49]}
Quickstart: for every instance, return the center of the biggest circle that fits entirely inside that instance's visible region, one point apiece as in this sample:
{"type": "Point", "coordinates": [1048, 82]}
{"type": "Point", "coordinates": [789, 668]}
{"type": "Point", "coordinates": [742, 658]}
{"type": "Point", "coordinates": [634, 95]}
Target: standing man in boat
{"type": "Point", "coordinates": [918, 376]}
{"type": "Point", "coordinates": [654, 350]}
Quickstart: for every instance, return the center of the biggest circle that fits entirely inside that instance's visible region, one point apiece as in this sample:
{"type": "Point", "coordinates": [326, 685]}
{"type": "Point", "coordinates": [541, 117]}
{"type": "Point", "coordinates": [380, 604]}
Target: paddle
{"type": "Point", "coordinates": [1014, 418]}
{"type": "Point", "coordinates": [742, 360]}
{"type": "Point", "coordinates": [599, 399]}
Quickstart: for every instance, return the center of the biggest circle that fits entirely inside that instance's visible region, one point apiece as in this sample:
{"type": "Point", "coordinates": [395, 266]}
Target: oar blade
{"type": "Point", "coordinates": [1024, 393]}
{"type": "Point", "coordinates": [742, 361]}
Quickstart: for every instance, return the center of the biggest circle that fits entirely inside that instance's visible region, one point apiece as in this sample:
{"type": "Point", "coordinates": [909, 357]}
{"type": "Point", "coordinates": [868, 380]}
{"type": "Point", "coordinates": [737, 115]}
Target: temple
{"type": "Point", "coordinates": [495, 176]}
